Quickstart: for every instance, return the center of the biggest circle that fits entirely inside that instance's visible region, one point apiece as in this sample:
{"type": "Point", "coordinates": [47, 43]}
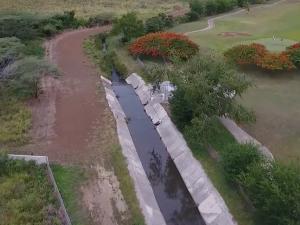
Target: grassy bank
{"type": "Point", "coordinates": [69, 179]}
{"type": "Point", "coordinates": [26, 195]}
{"type": "Point", "coordinates": [126, 186]}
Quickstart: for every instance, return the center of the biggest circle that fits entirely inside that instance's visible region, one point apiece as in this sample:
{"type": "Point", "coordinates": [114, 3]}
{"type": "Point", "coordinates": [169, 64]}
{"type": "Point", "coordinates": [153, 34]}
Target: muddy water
{"type": "Point", "coordinates": [173, 198]}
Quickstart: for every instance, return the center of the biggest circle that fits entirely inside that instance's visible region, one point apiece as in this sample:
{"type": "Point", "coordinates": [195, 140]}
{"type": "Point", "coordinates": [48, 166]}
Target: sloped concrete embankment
{"type": "Point", "coordinates": [243, 137]}
{"type": "Point", "coordinates": [210, 204]}
{"type": "Point", "coordinates": [142, 185]}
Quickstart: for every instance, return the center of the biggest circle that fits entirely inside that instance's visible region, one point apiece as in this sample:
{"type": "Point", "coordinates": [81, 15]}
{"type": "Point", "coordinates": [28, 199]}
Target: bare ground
{"type": "Point", "coordinates": [72, 124]}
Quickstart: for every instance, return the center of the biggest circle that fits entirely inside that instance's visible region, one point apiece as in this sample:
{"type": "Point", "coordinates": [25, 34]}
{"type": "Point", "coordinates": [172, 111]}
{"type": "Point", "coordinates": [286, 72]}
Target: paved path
{"type": "Point", "coordinates": [211, 21]}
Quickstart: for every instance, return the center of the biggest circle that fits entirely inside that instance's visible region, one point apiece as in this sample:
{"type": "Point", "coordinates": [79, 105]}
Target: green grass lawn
{"type": "Point", "coordinates": [274, 97]}
{"type": "Point", "coordinates": [281, 21]}
{"type": "Point", "coordinates": [84, 8]}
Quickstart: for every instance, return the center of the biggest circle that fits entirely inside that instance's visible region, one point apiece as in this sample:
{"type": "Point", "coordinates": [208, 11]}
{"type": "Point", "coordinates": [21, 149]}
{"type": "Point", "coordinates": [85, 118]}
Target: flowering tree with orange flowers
{"type": "Point", "coordinates": [164, 44]}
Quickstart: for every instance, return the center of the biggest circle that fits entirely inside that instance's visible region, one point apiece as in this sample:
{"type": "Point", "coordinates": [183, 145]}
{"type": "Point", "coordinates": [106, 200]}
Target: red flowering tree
{"type": "Point", "coordinates": [164, 44]}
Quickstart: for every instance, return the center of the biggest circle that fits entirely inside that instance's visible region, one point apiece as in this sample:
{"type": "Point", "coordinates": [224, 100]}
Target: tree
{"type": "Point", "coordinates": [158, 23]}
{"type": "Point", "coordinates": [198, 7]}
{"type": "Point", "coordinates": [129, 26]}
{"type": "Point", "coordinates": [206, 89]}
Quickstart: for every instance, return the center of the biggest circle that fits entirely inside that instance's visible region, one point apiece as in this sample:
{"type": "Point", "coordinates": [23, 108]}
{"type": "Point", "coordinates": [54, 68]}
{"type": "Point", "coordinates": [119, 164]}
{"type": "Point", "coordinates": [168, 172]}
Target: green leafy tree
{"type": "Point", "coordinates": [207, 87]}
{"type": "Point", "coordinates": [198, 7]}
{"type": "Point", "coordinates": [158, 23]}
{"type": "Point", "coordinates": [129, 26]}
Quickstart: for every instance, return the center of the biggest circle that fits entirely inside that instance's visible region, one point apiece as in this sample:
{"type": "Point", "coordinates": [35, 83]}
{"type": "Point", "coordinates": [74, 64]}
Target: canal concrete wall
{"type": "Point", "coordinates": [210, 203]}
{"type": "Point", "coordinates": [243, 137]}
{"type": "Point", "coordinates": [142, 185]}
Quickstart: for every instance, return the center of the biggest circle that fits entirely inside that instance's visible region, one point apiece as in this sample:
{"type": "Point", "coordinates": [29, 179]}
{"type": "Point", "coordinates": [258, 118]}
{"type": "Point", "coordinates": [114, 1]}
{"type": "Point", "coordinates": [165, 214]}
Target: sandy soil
{"type": "Point", "coordinates": [72, 124]}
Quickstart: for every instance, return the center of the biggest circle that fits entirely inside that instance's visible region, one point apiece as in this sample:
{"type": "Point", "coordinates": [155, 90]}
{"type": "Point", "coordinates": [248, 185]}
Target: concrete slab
{"type": "Point", "coordinates": [37, 159]}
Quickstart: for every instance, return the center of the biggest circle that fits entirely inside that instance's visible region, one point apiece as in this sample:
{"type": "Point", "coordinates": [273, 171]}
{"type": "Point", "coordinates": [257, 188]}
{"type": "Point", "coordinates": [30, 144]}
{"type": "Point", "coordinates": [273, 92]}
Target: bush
{"type": "Point", "coordinates": [276, 62]}
{"type": "Point", "coordinates": [29, 26]}
{"type": "Point", "coordinates": [129, 26]}
{"type": "Point", "coordinates": [237, 158]}
{"type": "Point", "coordinates": [294, 56]}
{"type": "Point", "coordinates": [274, 190]}
{"type": "Point", "coordinates": [246, 54]}
{"type": "Point", "coordinates": [158, 23]}
{"type": "Point", "coordinates": [211, 7]}
{"type": "Point", "coordinates": [293, 52]}
{"type": "Point", "coordinates": [11, 49]}
{"type": "Point", "coordinates": [22, 77]}
{"type": "Point", "coordinates": [198, 7]}
{"type": "Point", "coordinates": [100, 20]}
{"type": "Point", "coordinates": [164, 44]}
{"type": "Point", "coordinates": [257, 54]}
{"type": "Point", "coordinates": [192, 16]}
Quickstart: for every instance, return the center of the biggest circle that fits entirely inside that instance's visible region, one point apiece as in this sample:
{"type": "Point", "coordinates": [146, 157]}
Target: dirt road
{"type": "Point", "coordinates": [72, 124]}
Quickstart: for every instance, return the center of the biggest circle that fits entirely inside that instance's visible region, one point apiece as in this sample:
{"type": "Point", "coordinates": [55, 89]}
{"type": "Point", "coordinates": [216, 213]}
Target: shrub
{"type": "Point", "coordinates": [192, 16]}
{"type": "Point", "coordinates": [22, 77]}
{"type": "Point", "coordinates": [293, 52]}
{"type": "Point", "coordinates": [100, 20]}
{"type": "Point", "coordinates": [237, 158]}
{"type": "Point", "coordinates": [246, 54]}
{"type": "Point", "coordinates": [276, 62]}
{"type": "Point", "coordinates": [257, 54]}
{"type": "Point", "coordinates": [294, 46]}
{"type": "Point", "coordinates": [211, 7]}
{"type": "Point", "coordinates": [274, 190]}
{"type": "Point", "coordinates": [158, 23]}
{"type": "Point", "coordinates": [164, 44]}
{"type": "Point", "coordinates": [129, 26]}
{"type": "Point", "coordinates": [294, 56]}
{"type": "Point", "coordinates": [10, 50]}
{"type": "Point", "coordinates": [198, 7]}
{"type": "Point", "coordinates": [29, 26]}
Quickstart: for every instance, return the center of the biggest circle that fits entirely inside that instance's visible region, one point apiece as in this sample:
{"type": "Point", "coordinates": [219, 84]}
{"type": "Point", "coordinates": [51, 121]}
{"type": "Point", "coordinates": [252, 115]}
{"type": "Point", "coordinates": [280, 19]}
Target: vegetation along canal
{"type": "Point", "coordinates": [172, 196]}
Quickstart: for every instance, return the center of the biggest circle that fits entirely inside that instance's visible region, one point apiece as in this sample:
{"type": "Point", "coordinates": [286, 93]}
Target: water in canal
{"type": "Point", "coordinates": [172, 196]}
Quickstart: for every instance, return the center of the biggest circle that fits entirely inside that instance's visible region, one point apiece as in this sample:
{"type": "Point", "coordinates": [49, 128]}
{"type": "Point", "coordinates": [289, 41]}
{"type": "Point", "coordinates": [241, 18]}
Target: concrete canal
{"type": "Point", "coordinates": [172, 196]}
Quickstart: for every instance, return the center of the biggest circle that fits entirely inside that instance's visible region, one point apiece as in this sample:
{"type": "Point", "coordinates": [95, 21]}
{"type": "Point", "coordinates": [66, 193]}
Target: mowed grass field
{"type": "Point", "coordinates": [274, 97]}
{"type": "Point", "coordinates": [83, 8]}
{"type": "Point", "coordinates": [281, 20]}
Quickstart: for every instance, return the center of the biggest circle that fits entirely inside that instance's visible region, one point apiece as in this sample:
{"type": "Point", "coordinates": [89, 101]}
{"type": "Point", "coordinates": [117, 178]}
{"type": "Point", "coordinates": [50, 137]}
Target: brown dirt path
{"type": "Point", "coordinates": [66, 115]}
{"type": "Point", "coordinates": [72, 124]}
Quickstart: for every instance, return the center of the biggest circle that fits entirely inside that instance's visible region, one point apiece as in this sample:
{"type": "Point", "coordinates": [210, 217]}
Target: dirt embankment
{"type": "Point", "coordinates": [72, 124]}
